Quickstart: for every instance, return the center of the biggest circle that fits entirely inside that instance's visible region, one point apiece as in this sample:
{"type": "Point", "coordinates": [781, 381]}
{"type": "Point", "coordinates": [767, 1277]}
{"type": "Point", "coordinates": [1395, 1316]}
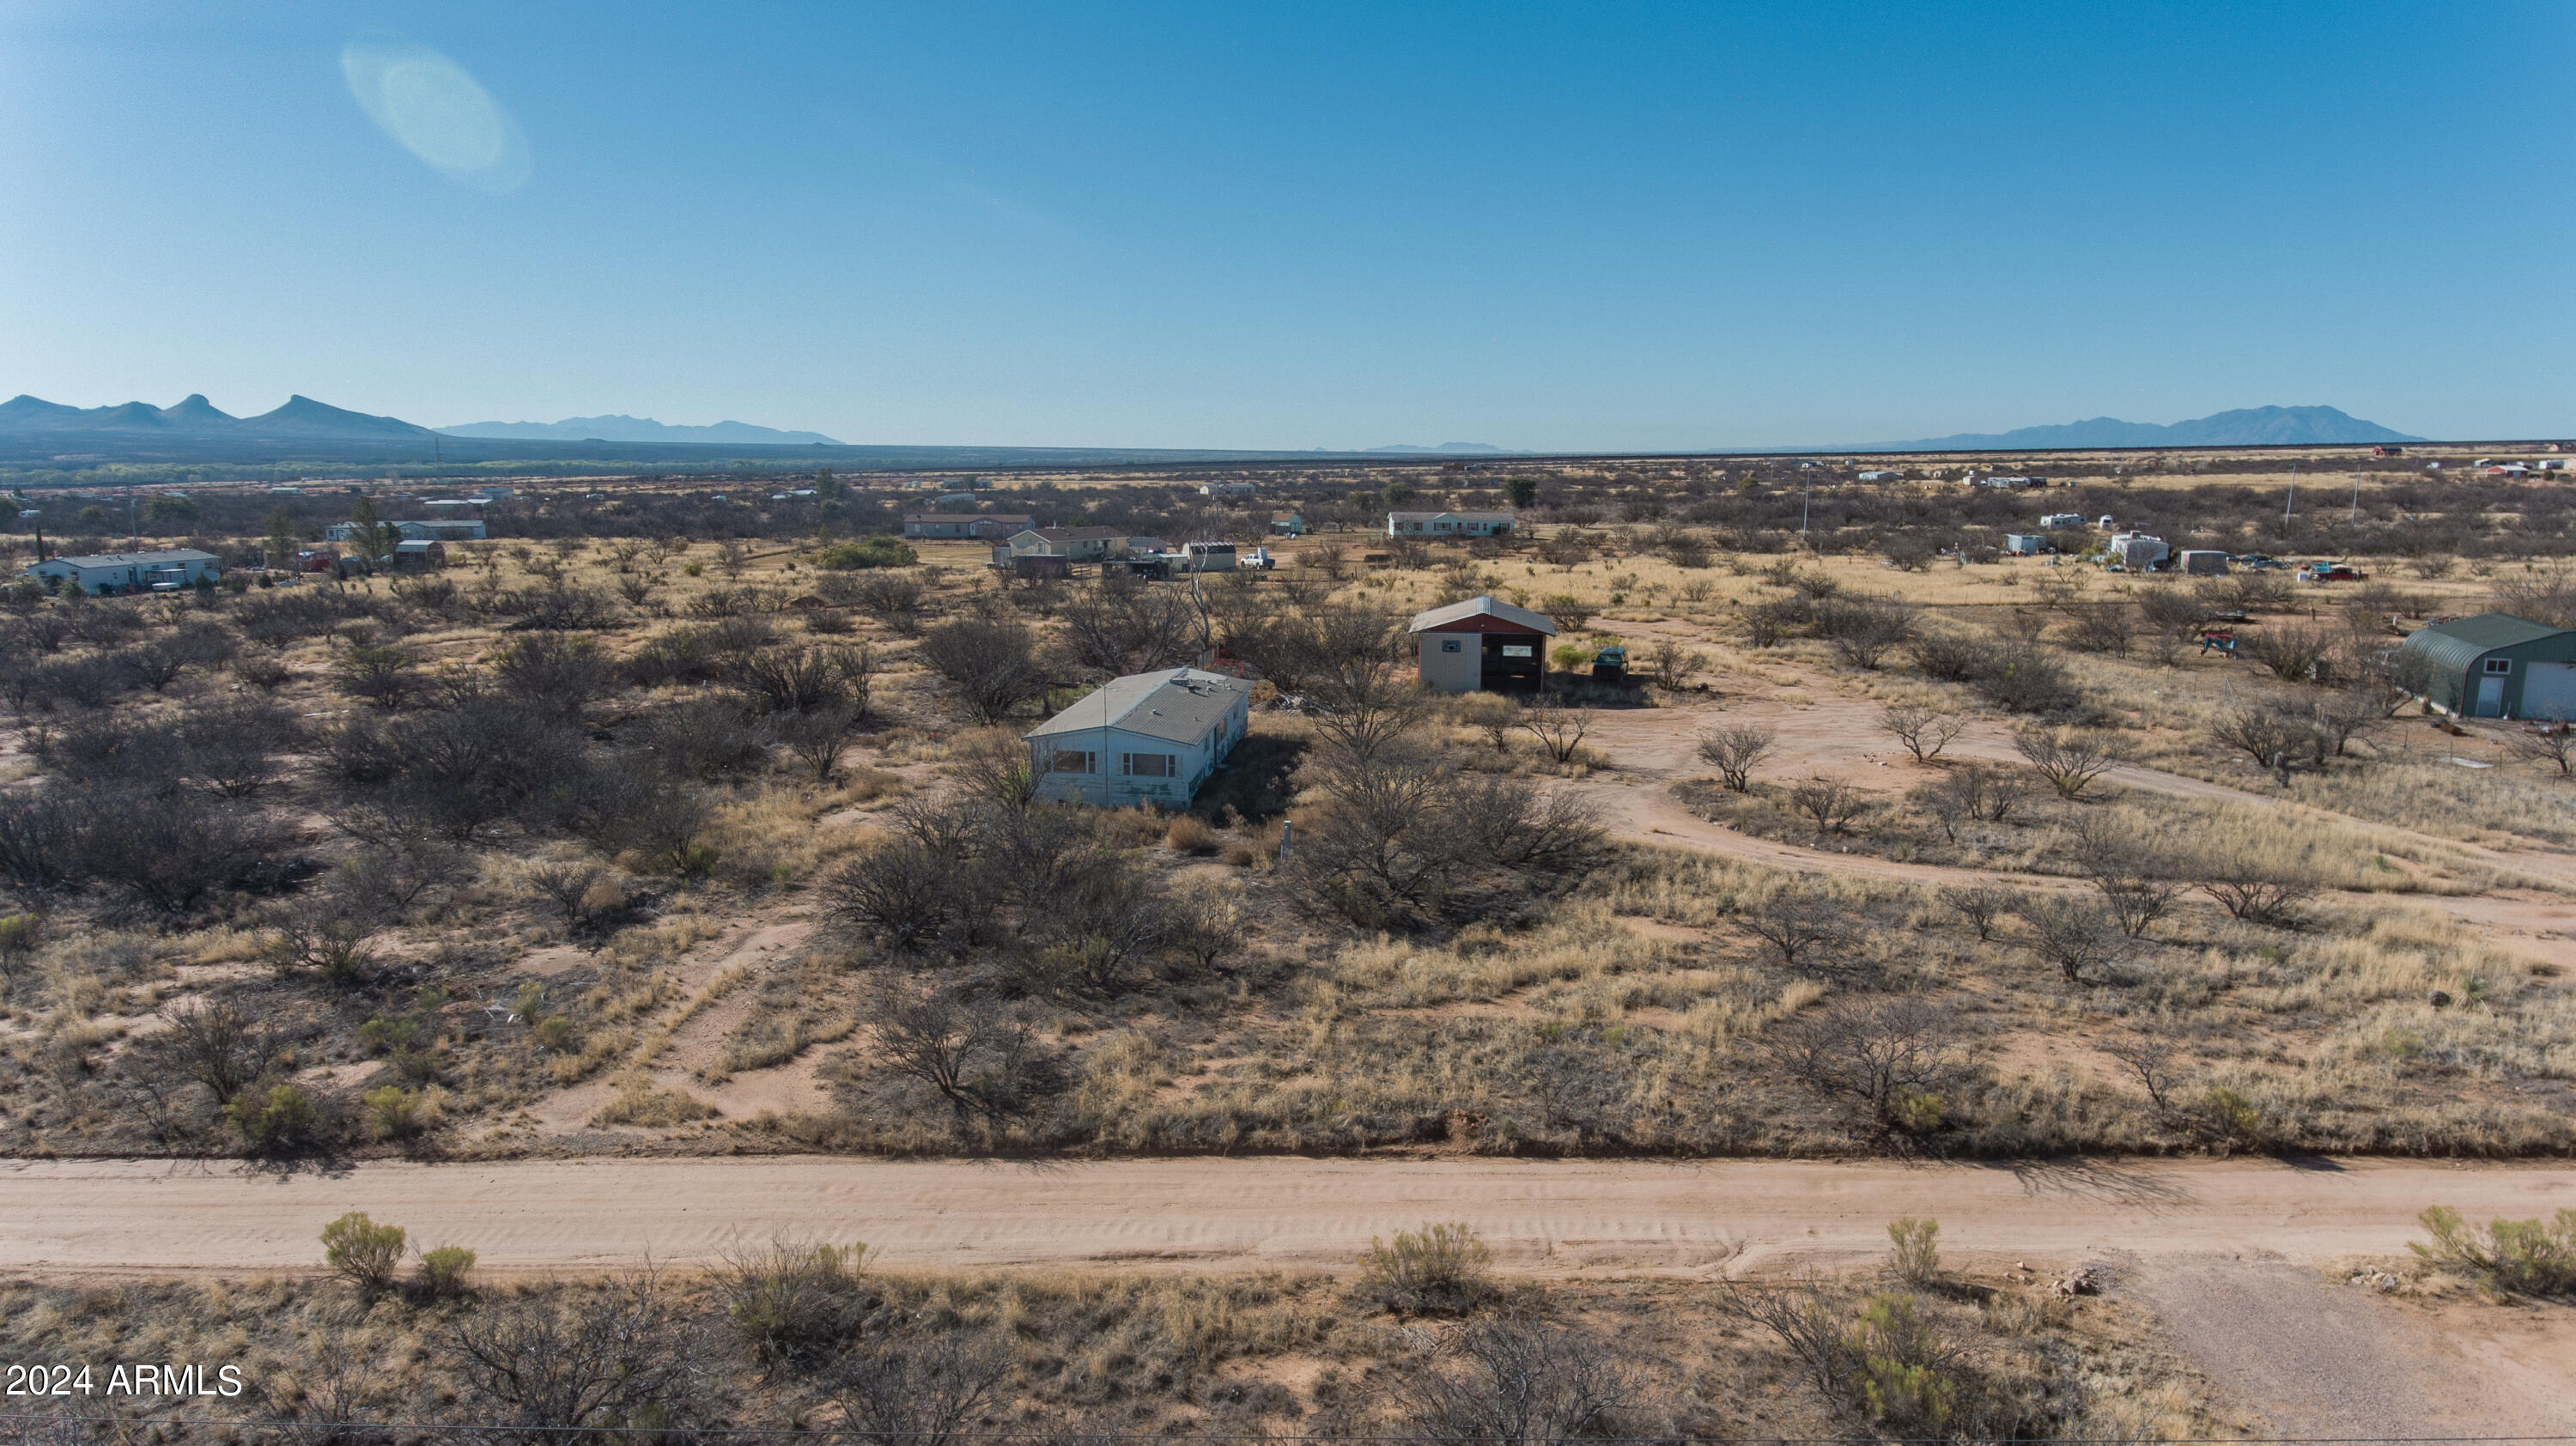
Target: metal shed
{"type": "Point", "coordinates": [1481, 643]}
{"type": "Point", "coordinates": [2494, 665]}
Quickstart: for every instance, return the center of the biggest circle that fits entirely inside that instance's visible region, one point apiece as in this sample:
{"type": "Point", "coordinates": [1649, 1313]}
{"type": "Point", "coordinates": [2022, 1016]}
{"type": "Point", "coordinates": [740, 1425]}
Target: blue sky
{"type": "Point", "coordinates": [1565, 227]}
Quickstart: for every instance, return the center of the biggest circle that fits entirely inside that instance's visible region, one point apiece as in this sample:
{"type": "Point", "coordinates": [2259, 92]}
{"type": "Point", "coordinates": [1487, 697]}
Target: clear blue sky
{"type": "Point", "coordinates": [1571, 226]}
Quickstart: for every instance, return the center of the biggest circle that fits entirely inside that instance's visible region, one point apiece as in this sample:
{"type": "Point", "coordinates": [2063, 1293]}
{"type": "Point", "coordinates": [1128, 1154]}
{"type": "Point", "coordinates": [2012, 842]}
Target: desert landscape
{"type": "Point", "coordinates": [664, 877]}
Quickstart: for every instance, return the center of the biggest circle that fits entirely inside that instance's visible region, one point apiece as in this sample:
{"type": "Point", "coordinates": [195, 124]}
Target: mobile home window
{"type": "Point", "coordinates": [1517, 650]}
{"type": "Point", "coordinates": [1448, 645]}
{"type": "Point", "coordinates": [1149, 765]}
{"type": "Point", "coordinates": [2499, 665]}
{"type": "Point", "coordinates": [1072, 761]}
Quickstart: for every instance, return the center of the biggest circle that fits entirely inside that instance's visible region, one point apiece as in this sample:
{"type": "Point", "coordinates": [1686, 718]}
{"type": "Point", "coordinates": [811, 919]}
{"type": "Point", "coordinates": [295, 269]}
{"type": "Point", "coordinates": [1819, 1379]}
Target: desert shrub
{"type": "Point", "coordinates": [1733, 752]}
{"type": "Point", "coordinates": [986, 1065]}
{"type": "Point", "coordinates": [552, 672]}
{"type": "Point", "coordinates": [1829, 803]}
{"type": "Point", "coordinates": [361, 1252]}
{"type": "Point", "coordinates": [2069, 760]}
{"type": "Point", "coordinates": [867, 552]}
{"type": "Point", "coordinates": [683, 655]}
{"type": "Point", "coordinates": [1518, 1381]}
{"type": "Point", "coordinates": [917, 1392]}
{"type": "Point", "coordinates": [328, 934]}
{"type": "Point", "coordinates": [385, 677]}
{"type": "Point", "coordinates": [1441, 1267]}
{"type": "Point", "coordinates": [1914, 1251]}
{"type": "Point", "coordinates": [993, 665]}
{"type": "Point", "coordinates": [1864, 631]}
{"type": "Point", "coordinates": [1189, 834]}
{"type": "Point", "coordinates": [2294, 652]}
{"type": "Point", "coordinates": [806, 680]}
{"type": "Point", "coordinates": [793, 1301]}
{"type": "Point", "coordinates": [1399, 838]}
{"type": "Point", "coordinates": [481, 761]}
{"type": "Point", "coordinates": [1979, 907]}
{"type": "Point", "coordinates": [40, 833]}
{"type": "Point", "coordinates": [2023, 679]}
{"type": "Point", "coordinates": [394, 1113]}
{"type": "Point", "coordinates": [1803, 926]}
{"type": "Point", "coordinates": [2514, 1257]}
{"type": "Point", "coordinates": [2074, 935]}
{"type": "Point", "coordinates": [2262, 899]}
{"type": "Point", "coordinates": [1923, 731]}
{"type": "Point", "coordinates": [700, 738]}
{"type": "Point", "coordinates": [282, 1120]}
{"type": "Point", "coordinates": [620, 1356]}
{"type": "Point", "coordinates": [441, 1272]}
{"type": "Point", "coordinates": [169, 854]}
{"type": "Point", "coordinates": [1891, 1057]}
{"type": "Point", "coordinates": [1124, 627]}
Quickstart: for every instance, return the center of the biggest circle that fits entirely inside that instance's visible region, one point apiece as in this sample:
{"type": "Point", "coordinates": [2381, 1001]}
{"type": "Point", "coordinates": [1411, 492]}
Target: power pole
{"type": "Point", "coordinates": [2292, 503]}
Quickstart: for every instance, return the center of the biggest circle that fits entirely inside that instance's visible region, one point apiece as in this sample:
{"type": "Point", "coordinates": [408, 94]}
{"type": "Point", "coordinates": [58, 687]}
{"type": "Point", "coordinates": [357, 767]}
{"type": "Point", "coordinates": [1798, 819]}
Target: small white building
{"type": "Point", "coordinates": [1481, 643]}
{"type": "Point", "coordinates": [442, 530]}
{"type": "Point", "coordinates": [106, 573]}
{"type": "Point", "coordinates": [1448, 524]}
{"type": "Point", "coordinates": [1880, 476]}
{"type": "Point", "coordinates": [1144, 738]}
{"type": "Point", "coordinates": [1225, 489]}
{"type": "Point", "coordinates": [1073, 544]}
{"type": "Point", "coordinates": [924, 525]}
{"type": "Point", "coordinates": [2056, 520]}
{"type": "Point", "coordinates": [2025, 544]}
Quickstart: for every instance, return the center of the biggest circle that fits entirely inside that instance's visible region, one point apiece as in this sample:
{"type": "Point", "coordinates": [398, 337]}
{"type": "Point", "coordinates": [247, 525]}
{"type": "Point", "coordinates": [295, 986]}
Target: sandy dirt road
{"type": "Point", "coordinates": [1705, 1218]}
{"type": "Point", "coordinates": [1837, 735]}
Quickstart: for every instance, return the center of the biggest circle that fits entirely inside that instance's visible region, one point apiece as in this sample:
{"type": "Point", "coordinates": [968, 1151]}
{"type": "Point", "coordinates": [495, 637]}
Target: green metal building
{"type": "Point", "coordinates": [2493, 665]}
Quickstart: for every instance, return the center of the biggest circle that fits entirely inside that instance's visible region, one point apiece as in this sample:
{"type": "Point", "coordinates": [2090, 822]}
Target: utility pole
{"type": "Point", "coordinates": [2292, 503]}
{"type": "Point", "coordinates": [2356, 500]}
{"type": "Point", "coordinates": [1806, 495]}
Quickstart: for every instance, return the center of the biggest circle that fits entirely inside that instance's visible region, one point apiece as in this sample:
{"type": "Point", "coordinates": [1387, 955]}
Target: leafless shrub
{"type": "Point", "coordinates": [1124, 627]}
{"type": "Point", "coordinates": [1558, 729]}
{"type": "Point", "coordinates": [2295, 652]}
{"type": "Point", "coordinates": [218, 1044]}
{"type": "Point", "coordinates": [2265, 732]}
{"type": "Point", "coordinates": [2540, 595]}
{"type": "Point", "coordinates": [1864, 631]}
{"type": "Point", "coordinates": [2258, 899]}
{"type": "Point", "coordinates": [537, 1366]}
{"type": "Point", "coordinates": [2074, 935]}
{"type": "Point", "coordinates": [909, 1392]}
{"type": "Point", "coordinates": [985, 1065]}
{"type": "Point", "coordinates": [2101, 627]}
{"type": "Point", "coordinates": [1924, 731]}
{"type": "Point", "coordinates": [1829, 803]}
{"type": "Point", "coordinates": [838, 678]}
{"type": "Point", "coordinates": [2553, 743]}
{"type": "Point", "coordinates": [2070, 760]}
{"type": "Point", "coordinates": [1799, 923]}
{"type": "Point", "coordinates": [1733, 752]}
{"type": "Point", "coordinates": [993, 665]}
{"type": "Point", "coordinates": [1891, 1057]}
{"type": "Point", "coordinates": [1515, 1382]}
{"type": "Point", "coordinates": [2156, 1057]}
{"type": "Point", "coordinates": [1980, 907]}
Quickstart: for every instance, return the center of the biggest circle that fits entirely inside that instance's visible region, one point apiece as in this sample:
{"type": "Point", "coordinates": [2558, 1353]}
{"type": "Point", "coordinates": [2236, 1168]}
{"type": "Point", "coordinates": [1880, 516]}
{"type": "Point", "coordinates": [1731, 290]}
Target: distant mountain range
{"type": "Point", "coordinates": [617, 428]}
{"type": "Point", "coordinates": [1443, 447]}
{"type": "Point", "coordinates": [2252, 427]}
{"type": "Point", "coordinates": [301, 419]}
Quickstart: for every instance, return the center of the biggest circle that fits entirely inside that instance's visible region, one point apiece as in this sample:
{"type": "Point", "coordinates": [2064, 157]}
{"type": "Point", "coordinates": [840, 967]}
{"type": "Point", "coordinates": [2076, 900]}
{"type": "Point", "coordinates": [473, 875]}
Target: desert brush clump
{"type": "Point", "coordinates": [1438, 1268]}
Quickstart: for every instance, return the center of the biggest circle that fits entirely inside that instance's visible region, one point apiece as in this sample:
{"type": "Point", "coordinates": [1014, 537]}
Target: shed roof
{"type": "Point", "coordinates": [2462, 641]}
{"type": "Point", "coordinates": [1458, 612]}
{"type": "Point", "coordinates": [1182, 705]}
{"type": "Point", "coordinates": [1077, 534]}
{"type": "Point", "coordinates": [1461, 516]}
{"type": "Point", "coordinates": [136, 559]}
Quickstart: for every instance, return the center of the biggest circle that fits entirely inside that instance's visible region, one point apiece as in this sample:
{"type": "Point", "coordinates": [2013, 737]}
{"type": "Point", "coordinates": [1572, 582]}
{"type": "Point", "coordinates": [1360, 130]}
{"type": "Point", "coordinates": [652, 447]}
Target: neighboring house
{"type": "Point", "coordinates": [1144, 738]}
{"type": "Point", "coordinates": [441, 530]}
{"type": "Point", "coordinates": [419, 554]}
{"type": "Point", "coordinates": [1225, 489]}
{"type": "Point", "coordinates": [1287, 524]}
{"type": "Point", "coordinates": [452, 503]}
{"type": "Point", "coordinates": [958, 524]}
{"type": "Point", "coordinates": [1482, 644]}
{"type": "Point", "coordinates": [106, 573]}
{"type": "Point", "coordinates": [1880, 476]}
{"type": "Point", "coordinates": [1448, 524]}
{"type": "Point", "coordinates": [2025, 544]}
{"type": "Point", "coordinates": [1073, 544]}
{"type": "Point", "coordinates": [2493, 665]}
{"type": "Point", "coordinates": [2385, 450]}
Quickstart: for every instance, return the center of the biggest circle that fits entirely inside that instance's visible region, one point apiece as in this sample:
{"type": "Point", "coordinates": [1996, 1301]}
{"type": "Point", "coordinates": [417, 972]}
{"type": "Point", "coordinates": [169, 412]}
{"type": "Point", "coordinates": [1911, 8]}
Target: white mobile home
{"type": "Point", "coordinates": [1145, 738]}
{"type": "Point", "coordinates": [1448, 524]}
{"type": "Point", "coordinates": [105, 573]}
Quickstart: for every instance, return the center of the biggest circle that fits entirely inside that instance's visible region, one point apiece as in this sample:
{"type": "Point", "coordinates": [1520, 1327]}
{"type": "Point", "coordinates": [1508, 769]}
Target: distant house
{"type": "Point", "coordinates": [994, 525]}
{"type": "Point", "coordinates": [419, 555]}
{"type": "Point", "coordinates": [1225, 489]}
{"type": "Point", "coordinates": [2025, 544]}
{"type": "Point", "coordinates": [109, 573]}
{"type": "Point", "coordinates": [1448, 524]}
{"type": "Point", "coordinates": [1074, 544]}
{"type": "Point", "coordinates": [1880, 476]}
{"type": "Point", "coordinates": [2493, 665]}
{"type": "Point", "coordinates": [453, 503]}
{"type": "Point", "coordinates": [2386, 449]}
{"type": "Point", "coordinates": [1481, 644]}
{"type": "Point", "coordinates": [1144, 738]}
{"type": "Point", "coordinates": [1287, 524]}
{"type": "Point", "coordinates": [445, 529]}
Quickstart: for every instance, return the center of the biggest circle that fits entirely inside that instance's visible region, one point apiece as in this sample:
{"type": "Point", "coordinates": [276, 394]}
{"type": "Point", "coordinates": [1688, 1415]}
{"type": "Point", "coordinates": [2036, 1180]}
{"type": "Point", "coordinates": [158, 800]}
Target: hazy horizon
{"type": "Point", "coordinates": [1337, 227]}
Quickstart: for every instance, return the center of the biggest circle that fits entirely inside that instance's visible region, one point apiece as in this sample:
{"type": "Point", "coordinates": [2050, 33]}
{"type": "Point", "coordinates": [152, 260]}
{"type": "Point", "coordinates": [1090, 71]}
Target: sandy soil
{"type": "Point", "coordinates": [1835, 733]}
{"type": "Point", "coordinates": [1623, 1217]}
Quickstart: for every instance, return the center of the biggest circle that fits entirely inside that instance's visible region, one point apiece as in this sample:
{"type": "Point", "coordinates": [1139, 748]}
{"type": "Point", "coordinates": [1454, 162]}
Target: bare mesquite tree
{"type": "Point", "coordinates": [2070, 760]}
{"type": "Point", "coordinates": [1923, 730]}
{"type": "Point", "coordinates": [1733, 752]}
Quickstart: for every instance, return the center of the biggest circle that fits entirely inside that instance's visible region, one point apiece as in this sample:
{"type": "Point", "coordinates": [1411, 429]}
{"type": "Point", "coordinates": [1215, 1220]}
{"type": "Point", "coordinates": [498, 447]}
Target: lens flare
{"type": "Point", "coordinates": [436, 111]}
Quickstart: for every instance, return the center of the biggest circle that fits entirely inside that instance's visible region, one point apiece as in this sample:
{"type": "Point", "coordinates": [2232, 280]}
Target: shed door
{"type": "Point", "coordinates": [2490, 696]}
{"type": "Point", "coordinates": [2549, 690]}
